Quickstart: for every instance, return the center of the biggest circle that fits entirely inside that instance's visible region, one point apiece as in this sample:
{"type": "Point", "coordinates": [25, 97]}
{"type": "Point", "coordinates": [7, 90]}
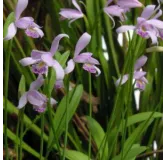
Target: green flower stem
{"type": "Point", "coordinates": [90, 115]}
{"type": "Point", "coordinates": [66, 124]}
{"type": "Point", "coordinates": [42, 133]}
{"type": "Point", "coordinates": [21, 131]}
{"type": "Point", "coordinates": [7, 68]}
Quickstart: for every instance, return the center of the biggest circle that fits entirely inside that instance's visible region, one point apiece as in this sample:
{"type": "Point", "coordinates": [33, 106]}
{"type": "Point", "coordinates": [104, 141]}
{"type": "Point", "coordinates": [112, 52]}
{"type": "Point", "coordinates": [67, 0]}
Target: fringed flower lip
{"type": "Point", "coordinates": [41, 60]}
{"type": "Point", "coordinates": [71, 14]}
{"type": "Point", "coordinates": [148, 25]}
{"type": "Point", "coordinates": [89, 63]}
{"type": "Point", "coordinates": [119, 8]}
{"type": "Point", "coordinates": [138, 75]}
{"type": "Point", "coordinates": [26, 23]}
{"type": "Point", "coordinates": [34, 97]}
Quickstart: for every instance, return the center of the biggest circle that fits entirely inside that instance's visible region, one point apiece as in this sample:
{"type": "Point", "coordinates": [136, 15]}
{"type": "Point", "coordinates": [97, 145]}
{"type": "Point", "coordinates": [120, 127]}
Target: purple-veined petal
{"type": "Point", "coordinates": [36, 98]}
{"type": "Point", "coordinates": [82, 43]}
{"type": "Point", "coordinates": [129, 3]}
{"type": "Point", "coordinates": [124, 28]}
{"type": "Point", "coordinates": [12, 29]}
{"type": "Point", "coordinates": [20, 7]}
{"type": "Point", "coordinates": [35, 85]}
{"type": "Point", "coordinates": [47, 58]}
{"type": "Point", "coordinates": [90, 68]}
{"type": "Point", "coordinates": [140, 62]}
{"type": "Point", "coordinates": [59, 70]}
{"type": "Point", "coordinates": [122, 80]}
{"type": "Point", "coordinates": [70, 66]}
{"type": "Point", "coordinates": [22, 101]}
{"type": "Point", "coordinates": [28, 61]}
{"type": "Point", "coordinates": [140, 84]}
{"type": "Point", "coordinates": [55, 43]}
{"type": "Point", "coordinates": [76, 5]}
{"type": "Point", "coordinates": [34, 32]}
{"type": "Point", "coordinates": [155, 22]}
{"type": "Point", "coordinates": [24, 22]}
{"type": "Point", "coordinates": [139, 74]}
{"type": "Point", "coordinates": [86, 58]}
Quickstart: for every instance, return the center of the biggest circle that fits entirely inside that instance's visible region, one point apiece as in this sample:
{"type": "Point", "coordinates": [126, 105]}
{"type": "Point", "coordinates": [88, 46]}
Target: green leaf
{"type": "Point", "coordinates": [98, 134]}
{"type": "Point", "coordinates": [8, 21]}
{"type": "Point", "coordinates": [26, 147]}
{"type": "Point", "coordinates": [75, 155]}
{"type": "Point", "coordinates": [62, 58]}
{"type": "Point", "coordinates": [135, 150]}
{"type": "Point", "coordinates": [140, 117]}
{"type": "Point", "coordinates": [52, 80]}
{"type": "Point", "coordinates": [59, 117]}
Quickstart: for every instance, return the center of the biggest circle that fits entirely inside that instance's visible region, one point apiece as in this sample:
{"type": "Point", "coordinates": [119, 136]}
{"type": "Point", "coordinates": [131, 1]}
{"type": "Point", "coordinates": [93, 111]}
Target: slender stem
{"type": "Point", "coordinates": [66, 124]}
{"type": "Point", "coordinates": [17, 135]}
{"type": "Point", "coordinates": [42, 133]}
{"type": "Point", "coordinates": [90, 115]}
{"type": "Point", "coordinates": [7, 68]}
{"type": "Point", "coordinates": [21, 131]}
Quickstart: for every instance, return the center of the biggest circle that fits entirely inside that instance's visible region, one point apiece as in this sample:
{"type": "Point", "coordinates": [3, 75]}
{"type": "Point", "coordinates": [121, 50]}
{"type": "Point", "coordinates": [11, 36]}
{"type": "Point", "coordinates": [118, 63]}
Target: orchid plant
{"type": "Point", "coordinates": [101, 117]}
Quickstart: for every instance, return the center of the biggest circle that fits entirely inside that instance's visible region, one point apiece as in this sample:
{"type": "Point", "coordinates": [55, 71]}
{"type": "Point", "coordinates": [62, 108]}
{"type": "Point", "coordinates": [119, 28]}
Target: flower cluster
{"type": "Point", "coordinates": [148, 26]}
{"type": "Point", "coordinates": [40, 61]}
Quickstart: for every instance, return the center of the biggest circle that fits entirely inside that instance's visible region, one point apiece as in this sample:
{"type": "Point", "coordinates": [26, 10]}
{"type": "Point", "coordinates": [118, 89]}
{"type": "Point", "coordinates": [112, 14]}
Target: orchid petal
{"type": "Point", "coordinates": [122, 80]}
{"type": "Point", "coordinates": [35, 85]}
{"type": "Point", "coordinates": [129, 3]}
{"type": "Point", "coordinates": [53, 101]}
{"type": "Point", "coordinates": [82, 43]}
{"type": "Point", "coordinates": [70, 66]}
{"type": "Point", "coordinates": [155, 22]}
{"type": "Point", "coordinates": [36, 54]}
{"type": "Point", "coordinates": [140, 62]}
{"type": "Point", "coordinates": [139, 74]}
{"type": "Point", "coordinates": [24, 22]}
{"type": "Point", "coordinates": [28, 61]}
{"type": "Point", "coordinates": [12, 29]}
{"type": "Point", "coordinates": [98, 71]}
{"type": "Point", "coordinates": [55, 43]}
{"type": "Point", "coordinates": [76, 5]}
{"type": "Point", "coordinates": [21, 5]}
{"type": "Point", "coordinates": [59, 70]}
{"type": "Point", "coordinates": [59, 84]}
{"type": "Point", "coordinates": [47, 58]}
{"type": "Point", "coordinates": [22, 101]}
{"type": "Point", "coordinates": [148, 11]}
{"type": "Point", "coordinates": [36, 98]}
{"type": "Point", "coordinates": [125, 28]}
{"type": "Point", "coordinates": [86, 58]}
{"type": "Point", "coordinates": [153, 37]}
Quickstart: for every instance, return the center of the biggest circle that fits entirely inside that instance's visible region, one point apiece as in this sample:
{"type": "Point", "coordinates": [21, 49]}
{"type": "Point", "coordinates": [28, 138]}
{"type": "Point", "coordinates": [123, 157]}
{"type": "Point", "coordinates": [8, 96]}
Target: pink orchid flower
{"type": "Point", "coordinates": [26, 23]}
{"type": "Point", "coordinates": [41, 60]}
{"type": "Point", "coordinates": [71, 14]}
{"type": "Point", "coordinates": [148, 26]}
{"type": "Point", "coordinates": [86, 58]}
{"type": "Point", "coordinates": [118, 8]}
{"type": "Point", "coordinates": [34, 97]}
{"type": "Point", "coordinates": [139, 76]}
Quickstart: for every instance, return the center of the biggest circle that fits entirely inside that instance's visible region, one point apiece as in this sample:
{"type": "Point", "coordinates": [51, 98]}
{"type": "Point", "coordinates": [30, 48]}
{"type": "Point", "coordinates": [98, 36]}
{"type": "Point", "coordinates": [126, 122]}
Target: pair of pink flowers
{"type": "Point", "coordinates": [26, 23]}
